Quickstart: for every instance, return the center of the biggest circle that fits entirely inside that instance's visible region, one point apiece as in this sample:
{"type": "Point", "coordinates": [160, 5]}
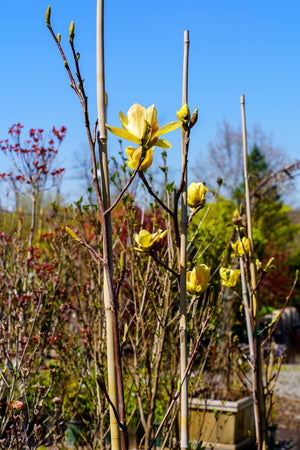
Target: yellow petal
{"type": "Point", "coordinates": [224, 273]}
{"type": "Point", "coordinates": [145, 239]}
{"type": "Point", "coordinates": [162, 233]}
{"type": "Point", "coordinates": [162, 143]}
{"type": "Point", "coordinates": [184, 114]}
{"type": "Point", "coordinates": [193, 279]}
{"type": "Point", "coordinates": [148, 159]}
{"type": "Point", "coordinates": [166, 128]}
{"type": "Point", "coordinates": [124, 134]}
{"type": "Point", "coordinates": [138, 249]}
{"type": "Point", "coordinates": [123, 120]}
{"type": "Point", "coordinates": [246, 244]}
{"type": "Point", "coordinates": [196, 194]}
{"type": "Point", "coordinates": [136, 116]}
{"type": "Point", "coordinates": [151, 117]}
{"type": "Point", "coordinates": [234, 277]}
{"type": "Point", "coordinates": [134, 155]}
{"type": "Point", "coordinates": [131, 164]}
{"type": "Point", "coordinates": [130, 151]}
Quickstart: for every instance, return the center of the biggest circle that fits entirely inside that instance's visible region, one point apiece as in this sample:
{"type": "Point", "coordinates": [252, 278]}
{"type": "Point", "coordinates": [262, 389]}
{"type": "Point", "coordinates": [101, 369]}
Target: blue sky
{"type": "Point", "coordinates": [237, 47]}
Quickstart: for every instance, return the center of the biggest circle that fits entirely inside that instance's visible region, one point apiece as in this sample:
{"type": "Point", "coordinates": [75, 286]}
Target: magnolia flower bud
{"type": "Point", "coordinates": [48, 15]}
{"type": "Point", "coordinates": [71, 31]}
{"type": "Point", "coordinates": [197, 280]}
{"type": "Point", "coordinates": [196, 195]}
{"type": "Point", "coordinates": [123, 262]}
{"type": "Point", "coordinates": [184, 114]}
{"type": "Point", "coordinates": [194, 118]}
{"type": "Point", "coordinates": [236, 218]}
{"type": "Point", "coordinates": [72, 234]}
{"type": "Point", "coordinates": [269, 265]}
{"type": "Point", "coordinates": [126, 329]}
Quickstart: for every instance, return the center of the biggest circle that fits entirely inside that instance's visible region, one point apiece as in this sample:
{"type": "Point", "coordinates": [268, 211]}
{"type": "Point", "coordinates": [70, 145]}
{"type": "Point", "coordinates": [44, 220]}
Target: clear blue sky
{"type": "Point", "coordinates": [237, 47]}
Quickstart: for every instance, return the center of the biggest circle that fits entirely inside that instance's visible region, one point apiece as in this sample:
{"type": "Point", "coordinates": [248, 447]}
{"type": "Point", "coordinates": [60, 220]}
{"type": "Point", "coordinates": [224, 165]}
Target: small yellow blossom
{"type": "Point", "coordinates": [196, 195]}
{"type": "Point", "coordinates": [147, 241]}
{"type": "Point", "coordinates": [134, 156]}
{"type": "Point", "coordinates": [184, 114]}
{"type": "Point", "coordinates": [229, 277]}
{"type": "Point", "coordinates": [241, 247]}
{"type": "Point", "coordinates": [197, 280]}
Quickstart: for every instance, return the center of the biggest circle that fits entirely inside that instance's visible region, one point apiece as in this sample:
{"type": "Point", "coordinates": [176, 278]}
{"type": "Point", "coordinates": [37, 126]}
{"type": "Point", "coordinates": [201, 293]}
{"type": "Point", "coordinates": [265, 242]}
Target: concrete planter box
{"type": "Point", "coordinates": [222, 424]}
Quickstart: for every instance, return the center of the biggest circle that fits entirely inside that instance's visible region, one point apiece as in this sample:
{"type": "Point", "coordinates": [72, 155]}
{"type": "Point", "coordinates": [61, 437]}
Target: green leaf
{"type": "Point", "coordinates": [170, 187]}
{"type": "Point", "coordinates": [163, 169]}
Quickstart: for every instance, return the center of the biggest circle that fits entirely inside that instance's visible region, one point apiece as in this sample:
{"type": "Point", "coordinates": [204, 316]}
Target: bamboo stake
{"type": "Point", "coordinates": [248, 310]}
{"type": "Point", "coordinates": [258, 391]}
{"type": "Point", "coordinates": [183, 245]}
{"type": "Point", "coordinates": [102, 139]}
{"type": "Point", "coordinates": [248, 212]}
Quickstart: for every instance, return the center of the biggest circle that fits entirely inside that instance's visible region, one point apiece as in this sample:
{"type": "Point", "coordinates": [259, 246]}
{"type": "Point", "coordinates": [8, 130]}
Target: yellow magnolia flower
{"type": "Point", "coordinates": [197, 280]}
{"type": "Point", "coordinates": [147, 241]}
{"type": "Point", "coordinates": [141, 127]}
{"type": "Point", "coordinates": [241, 247]}
{"type": "Point", "coordinates": [196, 195]}
{"type": "Point", "coordinates": [134, 156]}
{"type": "Point", "coordinates": [229, 277]}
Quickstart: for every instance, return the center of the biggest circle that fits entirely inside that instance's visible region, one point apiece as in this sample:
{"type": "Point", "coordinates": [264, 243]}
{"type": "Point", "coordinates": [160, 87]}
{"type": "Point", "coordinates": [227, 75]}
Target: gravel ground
{"type": "Point", "coordinates": [287, 398]}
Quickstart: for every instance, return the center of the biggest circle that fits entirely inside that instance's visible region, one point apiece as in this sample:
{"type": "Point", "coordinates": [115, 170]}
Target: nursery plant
{"type": "Point", "coordinates": [141, 128]}
{"type": "Point", "coordinates": [116, 312]}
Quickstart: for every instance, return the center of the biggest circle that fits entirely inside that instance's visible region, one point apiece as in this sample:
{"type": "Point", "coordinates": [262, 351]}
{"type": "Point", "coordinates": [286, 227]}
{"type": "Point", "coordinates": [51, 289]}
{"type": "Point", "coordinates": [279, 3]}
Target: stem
{"type": "Point", "coordinates": [161, 263]}
{"type": "Point", "coordinates": [183, 245]}
{"type": "Point", "coordinates": [258, 387]}
{"type": "Point", "coordinates": [182, 381]}
{"type": "Point", "coordinates": [249, 326]}
{"type": "Point", "coordinates": [115, 385]}
{"type": "Point", "coordinates": [248, 212]}
{"type": "Point", "coordinates": [112, 206]}
{"type": "Point", "coordinates": [115, 379]}
{"type": "Point", "coordinates": [31, 234]}
{"type": "Point", "coordinates": [162, 204]}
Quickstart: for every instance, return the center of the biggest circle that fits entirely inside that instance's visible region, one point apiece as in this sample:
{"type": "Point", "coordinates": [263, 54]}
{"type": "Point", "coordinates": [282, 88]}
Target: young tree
{"type": "Point", "coordinates": [225, 155]}
{"type": "Point", "coordinates": [32, 161]}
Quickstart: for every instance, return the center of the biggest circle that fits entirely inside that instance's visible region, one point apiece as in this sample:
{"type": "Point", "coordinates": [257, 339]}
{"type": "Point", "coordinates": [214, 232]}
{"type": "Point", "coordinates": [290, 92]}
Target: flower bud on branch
{"type": "Point", "coordinates": [48, 15]}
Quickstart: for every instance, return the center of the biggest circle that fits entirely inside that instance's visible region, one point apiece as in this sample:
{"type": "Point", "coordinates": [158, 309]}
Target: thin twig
{"type": "Point", "coordinates": [282, 310]}
{"type": "Point", "coordinates": [162, 204]}
{"type": "Point", "coordinates": [112, 206]}
{"type": "Point", "coordinates": [164, 265]}
{"type": "Point", "coordinates": [186, 372]}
